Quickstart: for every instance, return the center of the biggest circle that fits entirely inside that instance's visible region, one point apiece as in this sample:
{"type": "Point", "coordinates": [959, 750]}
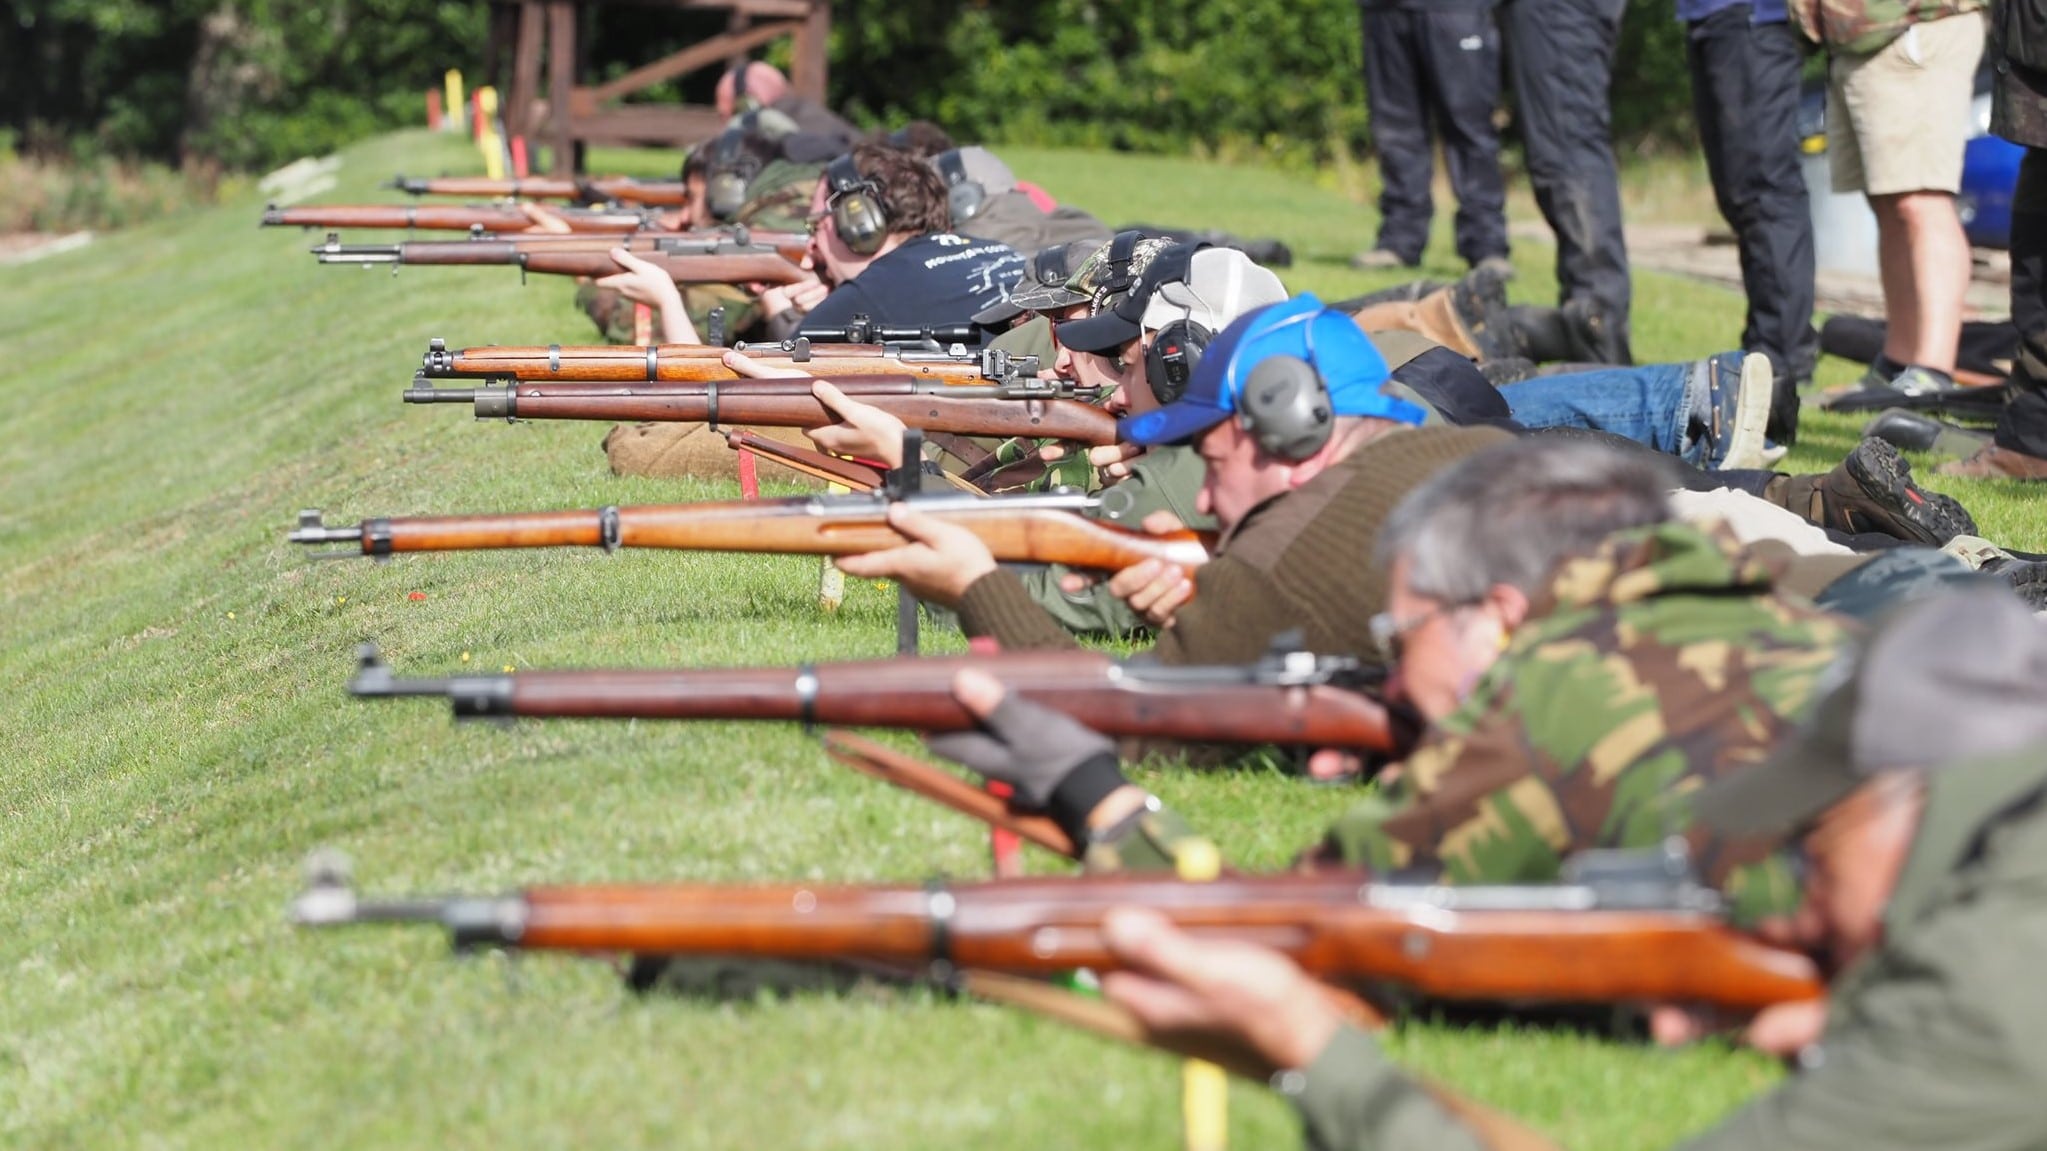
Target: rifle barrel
{"type": "Point", "coordinates": [1556, 943]}
{"type": "Point", "coordinates": [1238, 705]}
{"type": "Point", "coordinates": [1036, 529]}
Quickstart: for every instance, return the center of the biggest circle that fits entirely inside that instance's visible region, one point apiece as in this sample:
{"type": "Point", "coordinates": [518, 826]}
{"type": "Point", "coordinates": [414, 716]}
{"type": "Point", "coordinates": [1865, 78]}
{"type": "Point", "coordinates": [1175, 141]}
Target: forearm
{"type": "Point", "coordinates": [676, 327]}
{"type": "Point", "coordinates": [998, 605]}
{"type": "Point", "coordinates": [1353, 1097]}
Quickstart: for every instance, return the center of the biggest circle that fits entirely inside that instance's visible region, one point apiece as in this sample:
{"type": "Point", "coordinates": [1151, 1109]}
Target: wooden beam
{"type": "Point", "coordinates": [807, 76]}
{"type": "Point", "coordinates": [699, 55]}
{"type": "Point", "coordinates": [526, 49]}
{"type": "Point", "coordinates": [561, 77]}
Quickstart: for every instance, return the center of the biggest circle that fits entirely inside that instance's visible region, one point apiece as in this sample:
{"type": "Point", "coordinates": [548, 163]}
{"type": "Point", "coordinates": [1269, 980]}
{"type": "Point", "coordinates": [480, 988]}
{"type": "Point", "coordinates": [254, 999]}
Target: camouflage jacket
{"type": "Point", "coordinates": [1860, 27]}
{"type": "Point", "coordinates": [1935, 1039]}
{"type": "Point", "coordinates": [1662, 661]}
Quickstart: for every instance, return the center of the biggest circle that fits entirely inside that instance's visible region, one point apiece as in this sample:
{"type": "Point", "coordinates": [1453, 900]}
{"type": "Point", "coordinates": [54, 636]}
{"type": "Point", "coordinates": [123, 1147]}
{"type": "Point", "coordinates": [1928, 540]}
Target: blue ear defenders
{"type": "Point", "coordinates": [858, 214]}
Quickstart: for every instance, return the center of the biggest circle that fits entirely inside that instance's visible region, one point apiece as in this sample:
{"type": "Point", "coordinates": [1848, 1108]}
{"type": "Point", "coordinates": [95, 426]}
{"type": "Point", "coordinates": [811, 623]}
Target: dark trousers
{"type": "Point", "coordinates": [1560, 57]}
{"type": "Point", "coordinates": [2023, 427]}
{"type": "Point", "coordinates": [1745, 94]}
{"type": "Point", "coordinates": [1441, 65]}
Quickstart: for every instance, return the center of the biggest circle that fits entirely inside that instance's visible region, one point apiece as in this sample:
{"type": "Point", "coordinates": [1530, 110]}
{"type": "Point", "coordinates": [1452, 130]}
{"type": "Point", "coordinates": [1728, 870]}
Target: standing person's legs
{"type": "Point", "coordinates": [2020, 450]}
{"type": "Point", "coordinates": [1902, 124]}
{"type": "Point", "coordinates": [1745, 93]}
{"type": "Point", "coordinates": [1560, 55]}
{"type": "Point", "coordinates": [1400, 131]}
{"type": "Point", "coordinates": [1462, 49]}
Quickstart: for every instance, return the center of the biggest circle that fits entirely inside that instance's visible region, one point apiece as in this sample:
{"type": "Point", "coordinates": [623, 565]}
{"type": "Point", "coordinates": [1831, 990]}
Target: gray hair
{"type": "Point", "coordinates": [1513, 514]}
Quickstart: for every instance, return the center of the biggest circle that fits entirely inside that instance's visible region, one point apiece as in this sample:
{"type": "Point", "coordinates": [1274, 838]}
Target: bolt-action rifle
{"type": "Point", "coordinates": [696, 363]}
{"type": "Point", "coordinates": [1025, 407]}
{"type": "Point", "coordinates": [1047, 528]}
{"type": "Point", "coordinates": [1623, 927]}
{"type": "Point", "coordinates": [586, 190]}
{"type": "Point", "coordinates": [450, 218]}
{"type": "Point", "coordinates": [687, 258]}
{"type": "Point", "coordinates": [1293, 698]}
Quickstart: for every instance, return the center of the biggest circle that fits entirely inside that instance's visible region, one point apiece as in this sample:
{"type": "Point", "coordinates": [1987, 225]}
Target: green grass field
{"type": "Point", "coordinates": [171, 698]}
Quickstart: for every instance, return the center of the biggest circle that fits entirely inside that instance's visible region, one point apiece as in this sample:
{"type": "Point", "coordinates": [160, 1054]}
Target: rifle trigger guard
{"type": "Point", "coordinates": [806, 698]}
{"type": "Point", "coordinates": [608, 528]}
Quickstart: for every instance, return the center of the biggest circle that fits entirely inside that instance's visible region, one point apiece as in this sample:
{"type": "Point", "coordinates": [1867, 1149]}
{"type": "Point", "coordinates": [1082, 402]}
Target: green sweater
{"type": "Point", "coordinates": [1302, 560]}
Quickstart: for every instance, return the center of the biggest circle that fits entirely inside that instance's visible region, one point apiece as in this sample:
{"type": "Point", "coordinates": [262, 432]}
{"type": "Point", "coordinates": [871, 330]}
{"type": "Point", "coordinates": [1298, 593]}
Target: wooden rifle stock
{"type": "Point", "coordinates": [664, 194]}
{"type": "Point", "coordinates": [571, 258]}
{"type": "Point", "coordinates": [817, 465]}
{"type": "Point", "coordinates": [1558, 944]}
{"type": "Point", "coordinates": [1296, 699]}
{"type": "Point", "coordinates": [911, 774]}
{"type": "Point", "coordinates": [1034, 529]}
{"type": "Point", "coordinates": [690, 363]}
{"type": "Point", "coordinates": [445, 217]}
{"type": "Point", "coordinates": [788, 403]}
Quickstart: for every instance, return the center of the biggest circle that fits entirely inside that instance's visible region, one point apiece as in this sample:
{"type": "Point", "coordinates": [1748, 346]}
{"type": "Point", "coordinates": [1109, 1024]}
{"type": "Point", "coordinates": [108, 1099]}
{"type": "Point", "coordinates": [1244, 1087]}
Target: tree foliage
{"type": "Point", "coordinates": [247, 83]}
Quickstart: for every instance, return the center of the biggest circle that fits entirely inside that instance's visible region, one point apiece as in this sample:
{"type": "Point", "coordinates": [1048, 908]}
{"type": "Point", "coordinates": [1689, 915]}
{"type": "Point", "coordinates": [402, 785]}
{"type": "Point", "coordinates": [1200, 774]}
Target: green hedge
{"type": "Point", "coordinates": [250, 83]}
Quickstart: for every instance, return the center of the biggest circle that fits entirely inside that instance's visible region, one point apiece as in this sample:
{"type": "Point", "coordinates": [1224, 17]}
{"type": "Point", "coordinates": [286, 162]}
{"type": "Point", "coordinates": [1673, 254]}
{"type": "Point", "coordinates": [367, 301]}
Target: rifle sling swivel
{"type": "Point", "coordinates": [653, 362]}
{"type": "Point", "coordinates": [806, 697]}
{"type": "Point", "coordinates": [939, 906]}
{"type": "Point", "coordinates": [608, 528]}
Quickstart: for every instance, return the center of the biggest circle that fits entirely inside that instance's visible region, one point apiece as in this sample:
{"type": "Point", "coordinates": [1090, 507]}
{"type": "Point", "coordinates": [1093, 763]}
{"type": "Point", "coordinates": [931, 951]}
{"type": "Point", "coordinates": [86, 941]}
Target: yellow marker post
{"type": "Point", "coordinates": [451, 85]}
{"type": "Point", "coordinates": [487, 140]}
{"type": "Point", "coordinates": [831, 582]}
{"type": "Point", "coordinates": [1204, 1087]}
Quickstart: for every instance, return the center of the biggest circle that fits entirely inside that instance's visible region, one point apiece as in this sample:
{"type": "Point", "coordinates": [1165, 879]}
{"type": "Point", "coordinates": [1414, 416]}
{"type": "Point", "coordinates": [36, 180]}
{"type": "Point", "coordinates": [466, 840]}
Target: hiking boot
{"type": "Point", "coordinates": [1380, 260]}
{"type": "Point", "coordinates": [1918, 381]}
{"type": "Point", "coordinates": [1479, 301]}
{"type": "Point", "coordinates": [1915, 432]}
{"type": "Point", "coordinates": [1498, 266]}
{"type": "Point", "coordinates": [1997, 463]}
{"type": "Point", "coordinates": [2026, 578]}
{"type": "Point", "coordinates": [1784, 404]}
{"type": "Point", "coordinates": [1510, 370]}
{"type": "Point", "coordinates": [1738, 396]}
{"type": "Point", "coordinates": [1872, 492]}
{"type": "Point", "coordinates": [1593, 338]}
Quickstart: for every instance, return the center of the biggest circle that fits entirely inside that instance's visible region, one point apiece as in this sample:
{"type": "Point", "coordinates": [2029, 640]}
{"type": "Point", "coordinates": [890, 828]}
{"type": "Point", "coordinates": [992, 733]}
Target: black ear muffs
{"type": "Point", "coordinates": [1285, 406]}
{"type": "Point", "coordinates": [741, 102]}
{"type": "Point", "coordinates": [1174, 353]}
{"type": "Point", "coordinates": [856, 206]}
{"type": "Point", "coordinates": [730, 171]}
{"type": "Point", "coordinates": [964, 194]}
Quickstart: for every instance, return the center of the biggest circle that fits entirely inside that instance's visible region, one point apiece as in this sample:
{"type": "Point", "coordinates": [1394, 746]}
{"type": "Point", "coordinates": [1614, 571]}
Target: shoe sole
{"type": "Point", "coordinates": [2029, 582]}
{"type": "Point", "coordinates": [1746, 442]}
{"type": "Point", "coordinates": [1886, 478]}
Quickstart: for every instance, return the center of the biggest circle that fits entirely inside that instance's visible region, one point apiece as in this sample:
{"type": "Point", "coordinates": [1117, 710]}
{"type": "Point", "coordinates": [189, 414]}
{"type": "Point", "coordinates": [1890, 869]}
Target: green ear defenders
{"type": "Point", "coordinates": [858, 214]}
{"type": "Point", "coordinates": [1286, 408]}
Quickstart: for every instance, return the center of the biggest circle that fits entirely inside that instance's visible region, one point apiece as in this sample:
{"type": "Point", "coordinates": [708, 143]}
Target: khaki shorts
{"type": "Point", "coordinates": [1897, 119]}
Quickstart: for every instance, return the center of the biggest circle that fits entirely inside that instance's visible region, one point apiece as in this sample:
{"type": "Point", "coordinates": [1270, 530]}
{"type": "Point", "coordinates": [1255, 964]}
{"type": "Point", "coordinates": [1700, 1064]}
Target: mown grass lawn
{"type": "Point", "coordinates": [177, 740]}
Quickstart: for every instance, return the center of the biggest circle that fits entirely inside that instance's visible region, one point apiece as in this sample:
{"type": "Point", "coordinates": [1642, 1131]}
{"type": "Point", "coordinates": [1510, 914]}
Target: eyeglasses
{"type": "Point", "coordinates": [1390, 633]}
{"type": "Point", "coordinates": [815, 220]}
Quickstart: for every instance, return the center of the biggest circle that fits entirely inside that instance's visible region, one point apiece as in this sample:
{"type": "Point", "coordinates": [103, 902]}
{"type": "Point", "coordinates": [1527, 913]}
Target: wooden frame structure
{"type": "Point", "coordinates": [568, 115]}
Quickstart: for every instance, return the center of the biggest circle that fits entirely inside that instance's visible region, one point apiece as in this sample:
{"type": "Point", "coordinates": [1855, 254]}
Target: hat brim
{"type": "Point", "coordinates": [996, 314]}
{"type": "Point", "coordinates": [1100, 332]}
{"type": "Point", "coordinates": [1176, 423]}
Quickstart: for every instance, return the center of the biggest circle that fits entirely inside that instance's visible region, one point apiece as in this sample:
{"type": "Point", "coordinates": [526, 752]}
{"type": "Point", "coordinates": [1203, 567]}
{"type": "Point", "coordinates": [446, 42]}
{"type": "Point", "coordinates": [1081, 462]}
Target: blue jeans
{"type": "Point", "coordinates": [1655, 405]}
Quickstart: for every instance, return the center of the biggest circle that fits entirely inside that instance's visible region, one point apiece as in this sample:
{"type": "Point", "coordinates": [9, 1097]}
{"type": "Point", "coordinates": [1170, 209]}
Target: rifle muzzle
{"type": "Point", "coordinates": [313, 529]}
{"type": "Point", "coordinates": [472, 696]}
{"type": "Point", "coordinates": [335, 252]}
{"type": "Point", "coordinates": [421, 393]}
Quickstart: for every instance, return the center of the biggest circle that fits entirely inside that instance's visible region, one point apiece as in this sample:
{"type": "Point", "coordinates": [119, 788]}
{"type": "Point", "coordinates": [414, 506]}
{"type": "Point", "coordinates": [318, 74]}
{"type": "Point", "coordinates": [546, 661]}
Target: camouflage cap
{"type": "Point", "coordinates": [1949, 679]}
{"type": "Point", "coordinates": [1043, 288]}
{"type": "Point", "coordinates": [1113, 268]}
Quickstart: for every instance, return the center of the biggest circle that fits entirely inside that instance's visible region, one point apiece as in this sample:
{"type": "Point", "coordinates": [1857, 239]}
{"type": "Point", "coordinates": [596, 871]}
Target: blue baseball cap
{"type": "Point", "coordinates": [1351, 368]}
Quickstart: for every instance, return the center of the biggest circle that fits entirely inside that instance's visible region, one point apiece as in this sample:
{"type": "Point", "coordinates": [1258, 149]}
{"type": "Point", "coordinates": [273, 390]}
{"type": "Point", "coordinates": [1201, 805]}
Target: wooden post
{"type": "Point", "coordinates": [526, 47]}
{"type": "Point", "coordinates": [561, 77]}
{"type": "Point", "coordinates": [807, 74]}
